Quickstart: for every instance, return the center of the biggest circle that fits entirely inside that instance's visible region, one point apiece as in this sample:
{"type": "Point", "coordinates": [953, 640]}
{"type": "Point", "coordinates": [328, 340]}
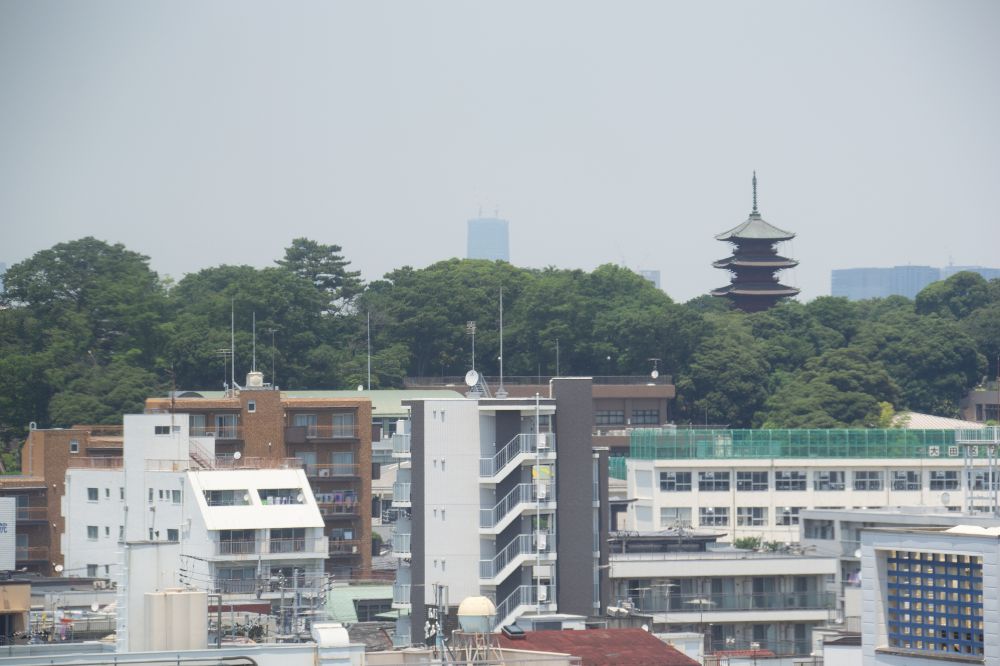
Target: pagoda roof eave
{"type": "Point", "coordinates": [756, 290]}
{"type": "Point", "coordinates": [772, 262]}
{"type": "Point", "coordinates": [755, 228]}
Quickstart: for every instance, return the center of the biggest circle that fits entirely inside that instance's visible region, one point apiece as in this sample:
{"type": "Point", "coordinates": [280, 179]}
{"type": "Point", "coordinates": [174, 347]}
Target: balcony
{"type": "Point", "coordinates": [522, 448]}
{"type": "Point", "coordinates": [31, 553]}
{"type": "Point", "coordinates": [401, 545]}
{"type": "Point", "coordinates": [706, 603]}
{"type": "Point", "coordinates": [522, 497]}
{"type": "Point", "coordinates": [401, 445]}
{"type": "Point", "coordinates": [95, 462]}
{"type": "Point", "coordinates": [331, 470]}
{"type": "Point", "coordinates": [401, 596]}
{"type": "Point", "coordinates": [228, 432]}
{"type": "Point", "coordinates": [524, 598]}
{"type": "Point", "coordinates": [522, 549]}
{"type": "Point", "coordinates": [401, 494]}
{"type": "Point", "coordinates": [339, 509]}
{"type": "Point", "coordinates": [32, 513]}
{"type": "Point", "coordinates": [344, 547]}
{"type": "Point", "coordinates": [337, 431]}
{"type": "Point", "coordinates": [307, 547]}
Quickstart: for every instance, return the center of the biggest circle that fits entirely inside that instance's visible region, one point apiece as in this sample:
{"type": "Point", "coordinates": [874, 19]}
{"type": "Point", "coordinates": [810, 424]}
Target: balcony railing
{"type": "Point", "coordinates": [332, 431]}
{"type": "Point", "coordinates": [324, 470]}
{"type": "Point", "coordinates": [401, 491]}
{"type": "Point", "coordinates": [273, 546]}
{"type": "Point", "coordinates": [527, 443]}
{"type": "Point", "coordinates": [522, 493]}
{"type": "Point", "coordinates": [401, 543]}
{"type": "Point", "coordinates": [707, 603]}
{"type": "Point", "coordinates": [31, 553]}
{"type": "Point", "coordinates": [345, 547]}
{"type": "Point", "coordinates": [339, 508]}
{"type": "Point", "coordinates": [217, 431]}
{"type": "Point", "coordinates": [32, 513]}
{"type": "Point", "coordinates": [523, 595]}
{"type": "Point", "coordinates": [96, 462]}
{"type": "Point", "coordinates": [401, 445]}
{"type": "Point", "coordinates": [400, 594]}
{"type": "Point", "coordinates": [522, 544]}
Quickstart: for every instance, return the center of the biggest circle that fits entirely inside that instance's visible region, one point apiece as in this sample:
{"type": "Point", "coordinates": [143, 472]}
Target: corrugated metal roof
{"type": "Point", "coordinates": [340, 600]}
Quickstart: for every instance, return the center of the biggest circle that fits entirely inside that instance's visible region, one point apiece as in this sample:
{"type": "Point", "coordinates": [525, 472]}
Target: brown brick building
{"type": "Point", "coordinates": [39, 489]}
{"type": "Point", "coordinates": [331, 436]}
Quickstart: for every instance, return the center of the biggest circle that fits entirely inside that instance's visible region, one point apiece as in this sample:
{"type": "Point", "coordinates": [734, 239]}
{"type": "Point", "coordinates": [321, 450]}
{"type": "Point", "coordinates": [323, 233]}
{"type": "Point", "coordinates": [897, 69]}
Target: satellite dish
{"type": "Point", "coordinates": [58, 568]}
{"type": "Point", "coordinates": [654, 374]}
{"type": "Point", "coordinates": [645, 627]}
{"type": "Point", "coordinates": [300, 498]}
{"type": "Point", "coordinates": [471, 378]}
{"type": "Point", "coordinates": [237, 455]}
{"type": "Point", "coordinates": [94, 606]}
{"type": "Point", "coordinates": [361, 387]}
{"type": "Point", "coordinates": [857, 553]}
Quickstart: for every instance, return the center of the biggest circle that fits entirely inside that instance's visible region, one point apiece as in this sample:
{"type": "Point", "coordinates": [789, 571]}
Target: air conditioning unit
{"type": "Point", "coordinates": [324, 471]}
{"type": "Point", "coordinates": [543, 442]}
{"type": "Point", "coordinates": [541, 540]}
{"type": "Point", "coordinates": [543, 594]}
{"type": "Point", "coordinates": [100, 584]}
{"type": "Point", "coordinates": [542, 490]}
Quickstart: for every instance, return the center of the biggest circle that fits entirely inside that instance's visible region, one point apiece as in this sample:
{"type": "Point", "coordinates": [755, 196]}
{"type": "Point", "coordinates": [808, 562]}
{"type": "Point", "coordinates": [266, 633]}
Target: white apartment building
{"type": "Point", "coordinates": [757, 483]}
{"type": "Point", "coordinates": [930, 596]}
{"type": "Point", "coordinates": [679, 581]}
{"type": "Point", "coordinates": [497, 509]}
{"type": "Point", "coordinates": [247, 528]}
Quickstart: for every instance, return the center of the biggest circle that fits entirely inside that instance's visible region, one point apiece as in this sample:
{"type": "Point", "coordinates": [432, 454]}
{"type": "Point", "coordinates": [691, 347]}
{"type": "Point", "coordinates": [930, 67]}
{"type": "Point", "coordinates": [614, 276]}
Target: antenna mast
{"type": "Point", "coordinates": [253, 365]}
{"type": "Point", "coordinates": [232, 341]}
{"type": "Point", "coordinates": [501, 392]}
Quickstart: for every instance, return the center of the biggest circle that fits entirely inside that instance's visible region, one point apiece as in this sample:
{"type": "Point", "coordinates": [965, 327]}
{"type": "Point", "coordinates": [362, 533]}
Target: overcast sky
{"type": "Point", "coordinates": [625, 132]}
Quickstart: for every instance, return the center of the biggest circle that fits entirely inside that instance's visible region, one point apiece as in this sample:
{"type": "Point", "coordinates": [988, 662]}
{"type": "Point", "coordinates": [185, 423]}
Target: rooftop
{"type": "Point", "coordinates": [600, 647]}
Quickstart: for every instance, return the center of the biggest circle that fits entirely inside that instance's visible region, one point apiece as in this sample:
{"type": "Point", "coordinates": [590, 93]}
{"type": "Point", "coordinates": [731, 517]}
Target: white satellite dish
{"type": "Point", "coordinates": [471, 378]}
{"type": "Point", "coordinates": [857, 553]}
{"type": "Point", "coordinates": [94, 606]}
{"type": "Point", "coordinates": [237, 455]}
{"type": "Point", "coordinates": [654, 374]}
{"type": "Point", "coordinates": [58, 568]}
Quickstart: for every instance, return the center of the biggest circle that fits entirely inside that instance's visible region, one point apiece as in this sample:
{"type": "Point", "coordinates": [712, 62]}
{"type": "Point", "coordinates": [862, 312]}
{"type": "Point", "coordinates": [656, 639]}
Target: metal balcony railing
{"type": "Point", "coordinates": [324, 470]}
{"type": "Point", "coordinates": [522, 544]}
{"type": "Point", "coordinates": [32, 513]}
{"type": "Point", "coordinates": [528, 443]}
{"type": "Point", "coordinates": [31, 552]}
{"type": "Point", "coordinates": [522, 493]}
{"type": "Point", "coordinates": [523, 595]}
{"type": "Point", "coordinates": [272, 546]}
{"type": "Point", "coordinates": [401, 445]}
{"type": "Point", "coordinates": [217, 431]}
{"type": "Point", "coordinates": [401, 543]}
{"type": "Point", "coordinates": [401, 491]}
{"type": "Point", "coordinates": [400, 594]}
{"type": "Point", "coordinates": [707, 603]}
{"type": "Point", "coordinates": [336, 431]}
{"type": "Point", "coordinates": [96, 462]}
{"type": "Point", "coordinates": [345, 508]}
{"type": "Point", "coordinates": [345, 547]}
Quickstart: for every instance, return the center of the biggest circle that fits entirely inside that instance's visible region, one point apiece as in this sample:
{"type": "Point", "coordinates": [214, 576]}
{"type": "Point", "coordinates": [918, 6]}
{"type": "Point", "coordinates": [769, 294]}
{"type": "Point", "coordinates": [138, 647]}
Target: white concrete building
{"type": "Point", "coordinates": [757, 483]}
{"type": "Point", "coordinates": [497, 509]}
{"type": "Point", "coordinates": [930, 596]}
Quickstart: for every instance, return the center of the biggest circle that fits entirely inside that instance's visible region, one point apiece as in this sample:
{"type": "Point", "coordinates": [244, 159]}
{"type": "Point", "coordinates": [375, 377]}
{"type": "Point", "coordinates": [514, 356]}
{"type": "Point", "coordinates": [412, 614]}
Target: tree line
{"type": "Point", "coordinates": [88, 331]}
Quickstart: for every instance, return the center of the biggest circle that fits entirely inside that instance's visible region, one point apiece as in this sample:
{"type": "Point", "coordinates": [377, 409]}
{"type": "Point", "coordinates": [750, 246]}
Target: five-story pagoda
{"type": "Point", "coordinates": [754, 262]}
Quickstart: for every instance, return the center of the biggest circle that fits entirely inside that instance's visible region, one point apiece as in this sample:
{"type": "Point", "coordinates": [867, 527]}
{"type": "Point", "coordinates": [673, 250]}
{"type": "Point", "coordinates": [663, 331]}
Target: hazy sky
{"type": "Point", "coordinates": [626, 132]}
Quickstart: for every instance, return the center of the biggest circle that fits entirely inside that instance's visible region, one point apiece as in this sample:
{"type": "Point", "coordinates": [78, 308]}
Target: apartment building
{"type": "Point", "coordinates": [677, 580]}
{"type": "Point", "coordinates": [524, 471]}
{"type": "Point", "coordinates": [757, 483]}
{"type": "Point", "coordinates": [40, 487]}
{"type": "Point", "coordinates": [331, 436]}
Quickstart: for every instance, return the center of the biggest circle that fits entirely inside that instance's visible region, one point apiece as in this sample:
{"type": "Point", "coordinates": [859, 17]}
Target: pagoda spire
{"type": "Point", "coordinates": [754, 211]}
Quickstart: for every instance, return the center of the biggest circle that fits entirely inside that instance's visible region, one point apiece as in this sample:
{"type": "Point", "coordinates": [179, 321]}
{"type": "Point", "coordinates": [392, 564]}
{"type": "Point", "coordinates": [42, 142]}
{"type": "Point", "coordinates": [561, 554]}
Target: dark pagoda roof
{"type": "Point", "coordinates": [755, 228]}
{"type": "Point", "coordinates": [755, 289]}
{"type": "Point", "coordinates": [760, 261]}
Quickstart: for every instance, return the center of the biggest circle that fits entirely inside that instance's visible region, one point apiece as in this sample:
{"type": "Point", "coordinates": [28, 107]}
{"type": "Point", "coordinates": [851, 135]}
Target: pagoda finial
{"type": "Point", "coordinates": [754, 211]}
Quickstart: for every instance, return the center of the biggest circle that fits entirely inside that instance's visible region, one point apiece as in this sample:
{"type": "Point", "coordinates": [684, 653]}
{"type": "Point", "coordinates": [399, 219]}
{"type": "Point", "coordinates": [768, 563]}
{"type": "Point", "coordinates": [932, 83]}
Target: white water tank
{"type": "Point", "coordinates": [176, 619]}
{"type": "Point", "coordinates": [255, 379]}
{"type": "Point", "coordinates": [476, 615]}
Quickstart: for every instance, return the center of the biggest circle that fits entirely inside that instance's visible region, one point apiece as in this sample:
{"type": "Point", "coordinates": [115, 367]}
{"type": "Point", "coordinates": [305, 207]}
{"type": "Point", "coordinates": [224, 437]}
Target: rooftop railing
{"type": "Point", "coordinates": [95, 462]}
{"type": "Point", "coordinates": [410, 382]}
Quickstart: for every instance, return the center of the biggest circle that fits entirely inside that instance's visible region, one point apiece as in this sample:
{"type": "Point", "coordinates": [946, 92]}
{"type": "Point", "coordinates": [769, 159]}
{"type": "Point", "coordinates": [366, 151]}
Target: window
{"type": "Point", "coordinates": [225, 426]}
{"type": "Point", "coordinates": [161, 494]}
{"type": "Point", "coordinates": [717, 516]}
{"type": "Point", "coordinates": [121, 532]}
{"type": "Point", "coordinates": [107, 531]}
{"type": "Point", "coordinates": [272, 496]}
{"type": "Point", "coordinates": [645, 417]}
{"type": "Point", "coordinates": [793, 480]}
{"type": "Point", "coordinates": [788, 515]}
{"type": "Point", "coordinates": [175, 496]}
{"type": "Point", "coordinates": [150, 533]}
{"type": "Point", "coordinates": [150, 495]}
{"type": "Point", "coordinates": [818, 529]}
{"type": "Point", "coordinates": [107, 493]}
{"type": "Point", "coordinates": [824, 480]}
{"type": "Point", "coordinates": [751, 516]}
{"type": "Point", "coordinates": [92, 532]}
{"type": "Point", "coordinates": [751, 481]}
{"type": "Point", "coordinates": [251, 406]}
{"type": "Point", "coordinates": [161, 430]}
{"type": "Point", "coordinates": [121, 492]}
{"type": "Point", "coordinates": [288, 540]}
{"type": "Point", "coordinates": [225, 497]}
{"type": "Point", "coordinates": [675, 516]}
{"type": "Point", "coordinates": [343, 424]}
{"type": "Point", "coordinates": [905, 480]}
{"type": "Point", "coordinates": [868, 480]}
{"type": "Point", "coordinates": [982, 479]}
{"type": "Point", "coordinates": [91, 571]}
{"type": "Point", "coordinates": [713, 481]}
{"type": "Point", "coordinates": [934, 603]}
{"type": "Point", "coordinates": [605, 417]}
{"type": "Point", "coordinates": [74, 446]}
{"type": "Point", "coordinates": [944, 480]}
{"type": "Point", "coordinates": [173, 535]}
{"type": "Point", "coordinates": [237, 580]}
{"type": "Point", "coordinates": [675, 481]}
{"type": "Point", "coordinates": [197, 425]}
{"type": "Point", "coordinates": [91, 494]}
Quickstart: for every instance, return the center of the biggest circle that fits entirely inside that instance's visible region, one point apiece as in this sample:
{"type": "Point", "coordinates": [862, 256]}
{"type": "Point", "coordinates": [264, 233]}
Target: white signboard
{"type": "Point", "coordinates": [8, 532]}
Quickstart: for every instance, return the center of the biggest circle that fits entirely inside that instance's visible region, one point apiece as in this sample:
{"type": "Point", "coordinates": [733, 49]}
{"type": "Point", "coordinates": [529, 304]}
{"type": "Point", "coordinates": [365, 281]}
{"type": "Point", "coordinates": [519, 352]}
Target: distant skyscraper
{"type": "Point", "coordinates": [488, 239]}
{"type": "Point", "coordinates": [651, 275]}
{"type": "Point", "coordinates": [860, 283]}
